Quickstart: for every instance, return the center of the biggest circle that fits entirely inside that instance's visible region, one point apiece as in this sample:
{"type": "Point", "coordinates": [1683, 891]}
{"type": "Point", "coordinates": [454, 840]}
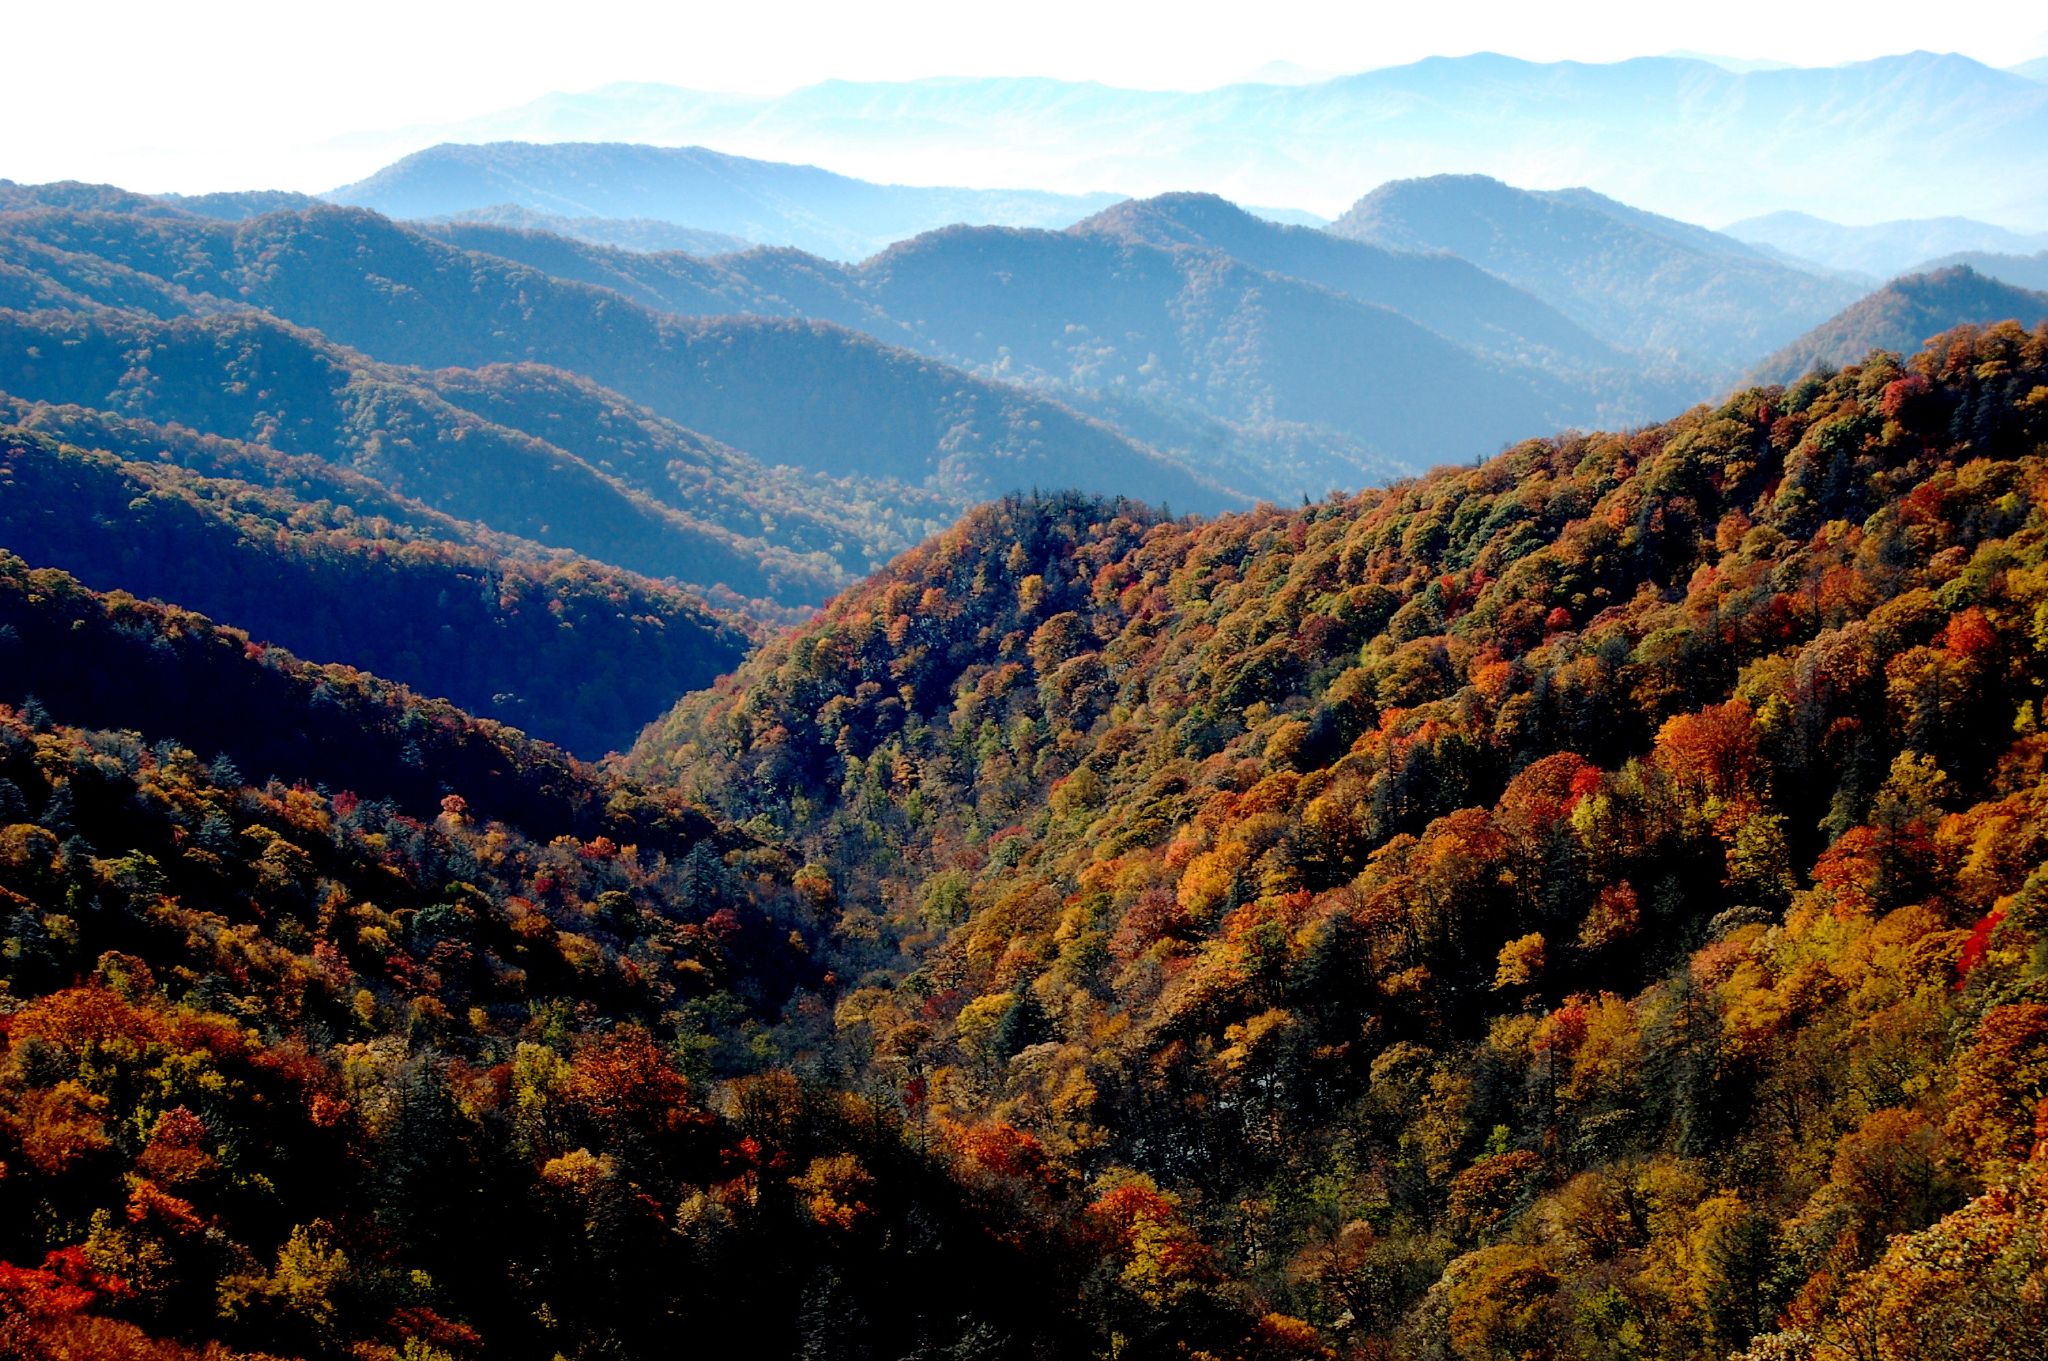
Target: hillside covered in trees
{"type": "Point", "coordinates": [1586, 905]}
{"type": "Point", "coordinates": [1900, 317]}
{"type": "Point", "coordinates": [567, 648]}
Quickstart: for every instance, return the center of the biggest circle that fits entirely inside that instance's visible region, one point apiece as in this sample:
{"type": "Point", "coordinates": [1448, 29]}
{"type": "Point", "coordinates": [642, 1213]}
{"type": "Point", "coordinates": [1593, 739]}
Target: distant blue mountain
{"type": "Point", "coordinates": [1694, 298]}
{"type": "Point", "coordinates": [1914, 135]}
{"type": "Point", "coordinates": [1881, 249]}
{"type": "Point", "coordinates": [1306, 359]}
{"type": "Point", "coordinates": [766, 201]}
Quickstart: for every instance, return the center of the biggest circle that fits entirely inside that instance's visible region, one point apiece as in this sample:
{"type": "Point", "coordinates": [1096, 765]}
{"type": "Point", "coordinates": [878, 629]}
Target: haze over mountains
{"type": "Point", "coordinates": [1882, 249]}
{"type": "Point", "coordinates": [763, 201]}
{"type": "Point", "coordinates": [1681, 136]}
{"type": "Point", "coordinates": [1697, 298]}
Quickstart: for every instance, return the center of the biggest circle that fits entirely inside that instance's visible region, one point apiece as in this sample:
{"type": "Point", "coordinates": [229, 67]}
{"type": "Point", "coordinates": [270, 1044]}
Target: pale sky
{"type": "Point", "coordinates": [159, 95]}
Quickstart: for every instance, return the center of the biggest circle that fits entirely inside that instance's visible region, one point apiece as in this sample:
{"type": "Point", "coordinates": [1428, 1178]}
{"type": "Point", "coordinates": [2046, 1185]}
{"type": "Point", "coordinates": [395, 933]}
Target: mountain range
{"type": "Point", "coordinates": [1882, 249]}
{"type": "Point", "coordinates": [764, 201]}
{"type": "Point", "coordinates": [1264, 359]}
{"type": "Point", "coordinates": [1187, 304]}
{"type": "Point", "coordinates": [853, 407]}
{"type": "Point", "coordinates": [1681, 136]}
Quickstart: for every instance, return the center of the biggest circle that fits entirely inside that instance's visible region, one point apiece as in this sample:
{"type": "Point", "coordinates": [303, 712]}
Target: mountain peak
{"type": "Point", "coordinates": [1181, 217]}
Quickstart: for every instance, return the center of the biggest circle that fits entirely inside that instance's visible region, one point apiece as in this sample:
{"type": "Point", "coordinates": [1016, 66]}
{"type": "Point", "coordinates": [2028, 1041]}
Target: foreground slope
{"type": "Point", "coordinates": [1594, 895]}
{"type": "Point", "coordinates": [405, 1051]}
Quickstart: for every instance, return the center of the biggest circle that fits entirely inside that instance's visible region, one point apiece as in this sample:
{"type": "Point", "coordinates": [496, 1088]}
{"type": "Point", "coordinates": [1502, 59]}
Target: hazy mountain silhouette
{"type": "Point", "coordinates": [1881, 249]}
{"type": "Point", "coordinates": [1702, 300]}
{"type": "Point", "coordinates": [766, 201]}
{"type": "Point", "coordinates": [1682, 135]}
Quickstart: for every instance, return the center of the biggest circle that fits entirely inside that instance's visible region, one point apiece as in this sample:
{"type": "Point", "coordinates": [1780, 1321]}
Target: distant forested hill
{"type": "Point", "coordinates": [1173, 317]}
{"type": "Point", "coordinates": [2021, 271]}
{"type": "Point", "coordinates": [1902, 316]}
{"type": "Point", "coordinates": [246, 377]}
{"type": "Point", "coordinates": [630, 233]}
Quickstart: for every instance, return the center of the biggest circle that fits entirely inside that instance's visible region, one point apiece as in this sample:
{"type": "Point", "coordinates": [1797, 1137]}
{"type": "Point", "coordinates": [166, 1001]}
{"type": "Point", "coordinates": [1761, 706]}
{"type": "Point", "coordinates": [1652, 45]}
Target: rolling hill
{"type": "Point", "coordinates": [248, 378]}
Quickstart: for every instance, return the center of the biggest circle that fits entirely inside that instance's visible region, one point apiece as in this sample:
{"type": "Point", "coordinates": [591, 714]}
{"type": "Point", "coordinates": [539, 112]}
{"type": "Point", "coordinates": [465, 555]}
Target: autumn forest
{"type": "Point", "coordinates": [1467, 783]}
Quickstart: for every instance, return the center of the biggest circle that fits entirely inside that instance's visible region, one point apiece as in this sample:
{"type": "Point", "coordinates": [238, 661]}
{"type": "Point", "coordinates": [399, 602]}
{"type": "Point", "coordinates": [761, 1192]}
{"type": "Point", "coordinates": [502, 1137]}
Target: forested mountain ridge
{"type": "Point", "coordinates": [337, 1062]}
{"type": "Point", "coordinates": [249, 378]}
{"type": "Point", "coordinates": [806, 394]}
{"type": "Point", "coordinates": [1584, 901]}
{"type": "Point", "coordinates": [1900, 317]}
{"type": "Point", "coordinates": [571, 650]}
